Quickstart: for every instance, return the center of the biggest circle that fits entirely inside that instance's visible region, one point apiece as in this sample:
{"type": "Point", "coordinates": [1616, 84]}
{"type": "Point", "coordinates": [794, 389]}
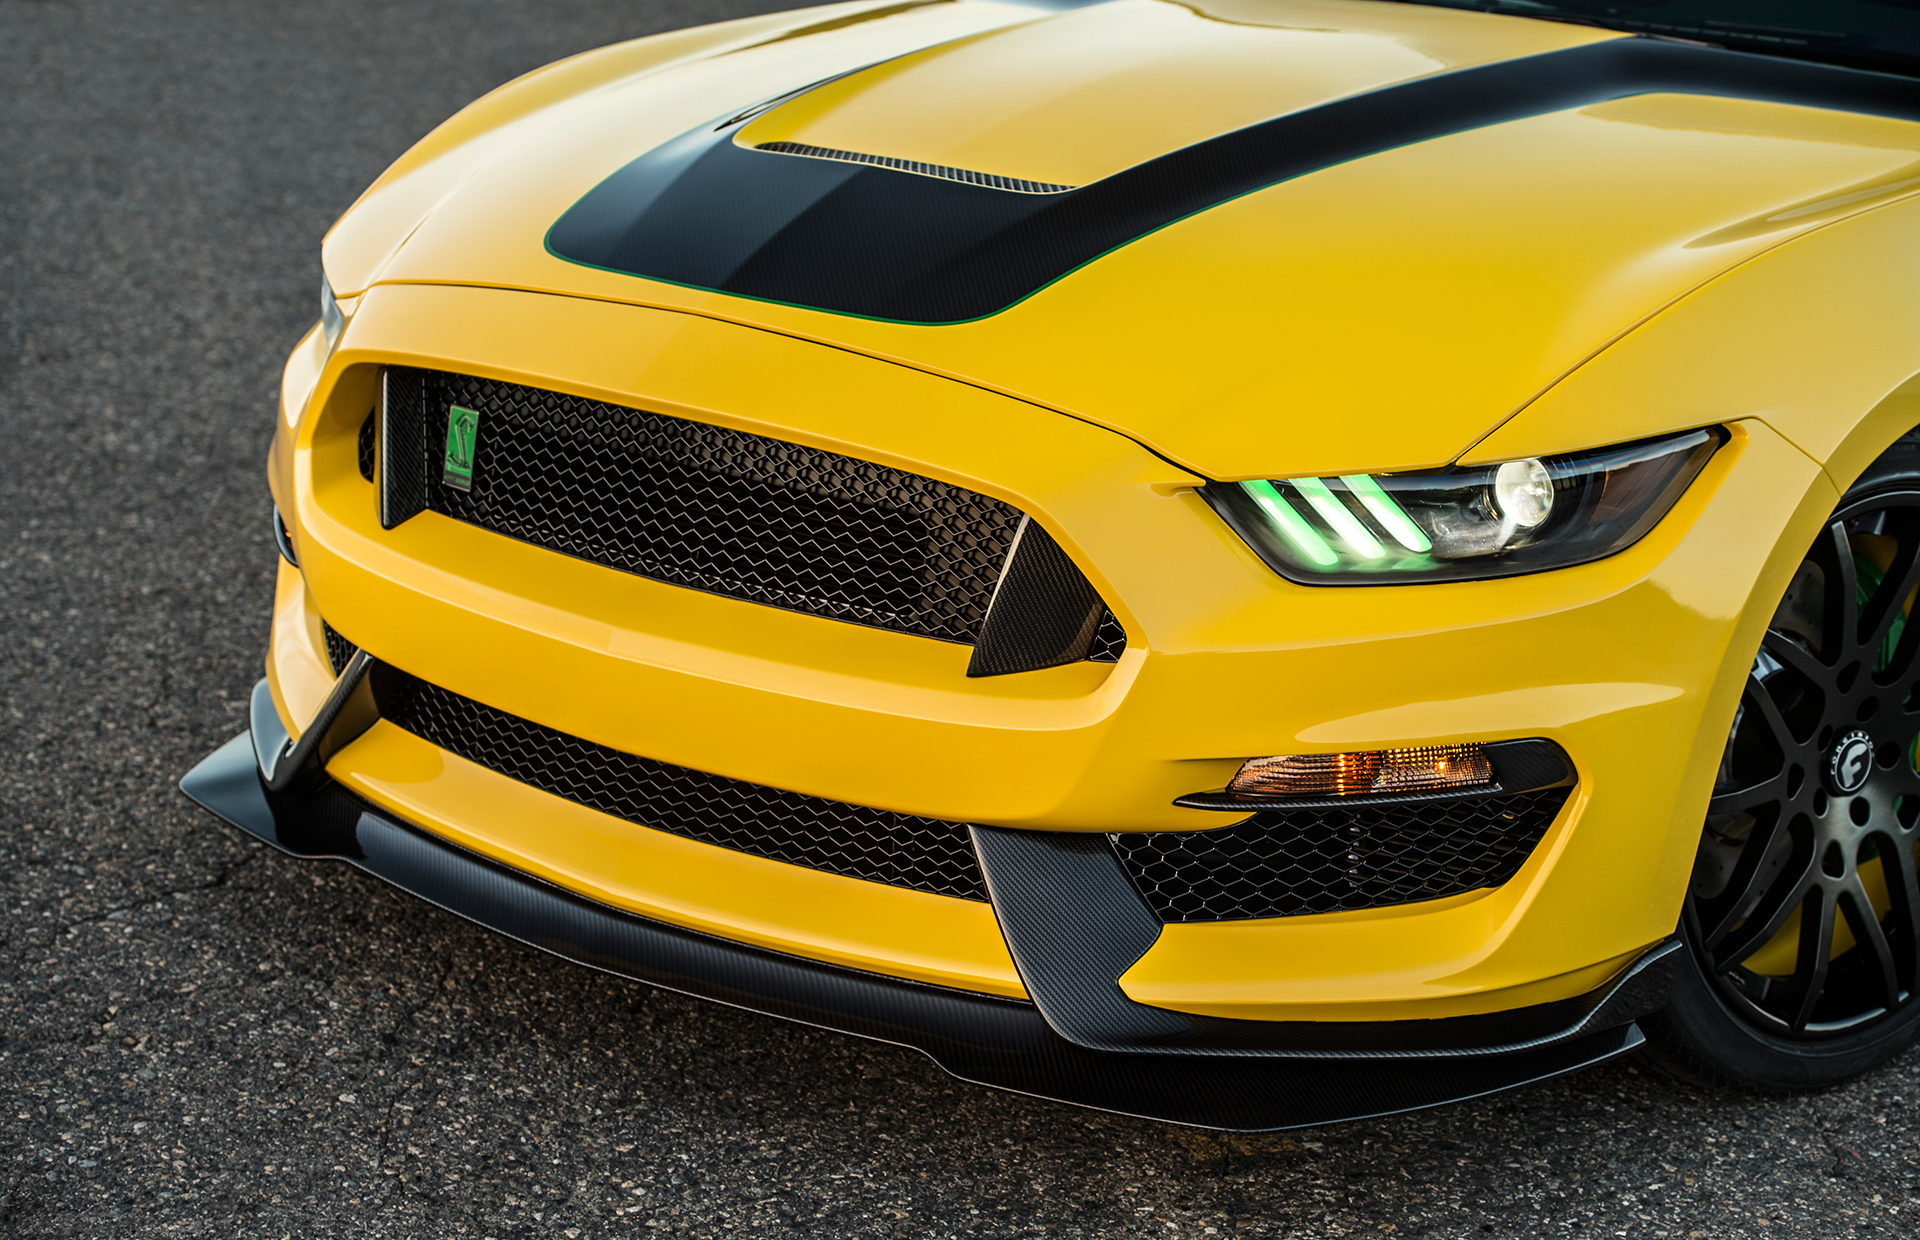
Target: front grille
{"type": "Point", "coordinates": [882, 847]}
{"type": "Point", "coordinates": [1287, 862]}
{"type": "Point", "coordinates": [719, 510]}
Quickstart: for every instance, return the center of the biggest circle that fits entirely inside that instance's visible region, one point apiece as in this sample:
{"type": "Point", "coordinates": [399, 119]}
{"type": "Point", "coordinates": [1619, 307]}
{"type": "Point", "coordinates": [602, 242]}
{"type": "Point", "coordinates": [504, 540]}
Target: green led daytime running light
{"type": "Point", "coordinates": [1293, 527]}
{"type": "Point", "coordinates": [1389, 514]}
{"type": "Point", "coordinates": [1357, 536]}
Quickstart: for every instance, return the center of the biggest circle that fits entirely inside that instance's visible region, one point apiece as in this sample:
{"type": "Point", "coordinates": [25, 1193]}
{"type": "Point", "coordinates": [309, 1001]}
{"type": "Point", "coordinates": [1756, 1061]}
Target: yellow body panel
{"type": "Point", "coordinates": [1810, 340]}
{"type": "Point", "coordinates": [547, 102]}
{"type": "Point", "coordinates": [1085, 95]}
{"type": "Point", "coordinates": [1565, 281]}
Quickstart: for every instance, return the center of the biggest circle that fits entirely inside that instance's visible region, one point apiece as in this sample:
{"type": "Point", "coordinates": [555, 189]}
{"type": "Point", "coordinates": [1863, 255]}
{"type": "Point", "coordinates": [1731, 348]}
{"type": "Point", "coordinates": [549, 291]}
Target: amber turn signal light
{"type": "Point", "coordinates": [1422, 769]}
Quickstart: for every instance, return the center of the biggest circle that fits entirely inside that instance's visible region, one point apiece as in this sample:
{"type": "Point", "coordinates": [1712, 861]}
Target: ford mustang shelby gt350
{"type": "Point", "coordinates": [1249, 562]}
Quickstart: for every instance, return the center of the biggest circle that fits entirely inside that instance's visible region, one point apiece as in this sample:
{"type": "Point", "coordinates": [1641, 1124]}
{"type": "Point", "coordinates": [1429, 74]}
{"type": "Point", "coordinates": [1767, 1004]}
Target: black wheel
{"type": "Point", "coordinates": [1802, 920]}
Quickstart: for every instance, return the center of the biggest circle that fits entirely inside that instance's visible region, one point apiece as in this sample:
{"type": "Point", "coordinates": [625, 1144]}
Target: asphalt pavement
{"type": "Point", "coordinates": [199, 1037]}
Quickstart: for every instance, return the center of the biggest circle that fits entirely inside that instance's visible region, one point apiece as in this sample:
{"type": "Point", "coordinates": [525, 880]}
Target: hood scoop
{"type": "Point", "coordinates": [964, 176]}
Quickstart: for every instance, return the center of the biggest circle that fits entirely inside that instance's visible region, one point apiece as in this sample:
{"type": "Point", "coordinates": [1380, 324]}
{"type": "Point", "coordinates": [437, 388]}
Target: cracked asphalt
{"type": "Point", "coordinates": [201, 1038]}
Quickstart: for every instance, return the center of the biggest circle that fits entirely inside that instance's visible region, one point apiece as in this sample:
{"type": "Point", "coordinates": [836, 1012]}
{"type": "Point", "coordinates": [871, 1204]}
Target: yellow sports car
{"type": "Point", "coordinates": [1248, 562]}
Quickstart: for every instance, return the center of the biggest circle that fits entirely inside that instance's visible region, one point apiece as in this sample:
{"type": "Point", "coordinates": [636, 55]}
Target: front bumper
{"type": "Point", "coordinates": [1632, 665]}
{"type": "Point", "coordinates": [1080, 1040]}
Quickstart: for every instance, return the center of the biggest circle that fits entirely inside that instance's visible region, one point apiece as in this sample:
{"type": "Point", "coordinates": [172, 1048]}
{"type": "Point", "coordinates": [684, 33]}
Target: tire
{"type": "Point", "coordinates": [1817, 794]}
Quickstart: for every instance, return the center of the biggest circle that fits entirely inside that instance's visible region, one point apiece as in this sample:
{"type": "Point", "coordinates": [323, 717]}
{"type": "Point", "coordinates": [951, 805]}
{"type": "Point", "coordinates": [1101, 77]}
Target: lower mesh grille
{"type": "Point", "coordinates": [1276, 864]}
{"type": "Point", "coordinates": [882, 847]}
{"type": "Point", "coordinates": [1288, 862]}
{"type": "Point", "coordinates": [339, 649]}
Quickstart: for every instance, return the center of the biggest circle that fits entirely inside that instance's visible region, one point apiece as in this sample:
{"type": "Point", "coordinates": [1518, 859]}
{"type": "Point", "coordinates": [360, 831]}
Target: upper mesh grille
{"type": "Point", "coordinates": [723, 511]}
{"type": "Point", "coordinates": [1288, 862]}
{"type": "Point", "coordinates": [883, 847]}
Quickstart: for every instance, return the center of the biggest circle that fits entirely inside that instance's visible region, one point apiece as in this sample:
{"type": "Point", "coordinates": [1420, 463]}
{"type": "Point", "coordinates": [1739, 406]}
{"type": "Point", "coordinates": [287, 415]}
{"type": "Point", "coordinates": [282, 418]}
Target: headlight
{"type": "Point", "coordinates": [332, 322]}
{"type": "Point", "coordinates": [1456, 524]}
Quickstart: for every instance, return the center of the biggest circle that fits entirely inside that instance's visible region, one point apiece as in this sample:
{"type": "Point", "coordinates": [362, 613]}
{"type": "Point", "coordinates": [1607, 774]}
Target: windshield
{"type": "Point", "coordinates": [1866, 34]}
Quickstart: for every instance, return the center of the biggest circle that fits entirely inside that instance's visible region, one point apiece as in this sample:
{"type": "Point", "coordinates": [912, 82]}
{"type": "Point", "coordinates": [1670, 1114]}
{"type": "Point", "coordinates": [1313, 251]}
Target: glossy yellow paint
{"type": "Point", "coordinates": [1531, 288]}
{"type": "Point", "coordinates": [1821, 340]}
{"type": "Point", "coordinates": [1085, 95]}
{"type": "Point", "coordinates": [1485, 265]}
{"type": "Point", "coordinates": [778, 52]}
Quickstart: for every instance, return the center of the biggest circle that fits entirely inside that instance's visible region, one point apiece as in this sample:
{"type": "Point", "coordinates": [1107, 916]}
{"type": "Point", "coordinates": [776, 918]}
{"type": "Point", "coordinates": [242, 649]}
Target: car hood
{"type": "Point", "coordinates": [1120, 211]}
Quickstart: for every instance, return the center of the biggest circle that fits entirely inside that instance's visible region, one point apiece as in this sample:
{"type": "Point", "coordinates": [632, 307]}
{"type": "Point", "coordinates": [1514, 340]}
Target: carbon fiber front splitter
{"type": "Point", "coordinates": [1199, 1080]}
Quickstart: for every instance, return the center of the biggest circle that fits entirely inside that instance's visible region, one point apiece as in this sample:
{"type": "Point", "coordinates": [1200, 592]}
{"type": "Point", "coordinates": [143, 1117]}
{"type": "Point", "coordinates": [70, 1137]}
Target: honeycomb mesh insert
{"type": "Point", "coordinates": [339, 649]}
{"type": "Point", "coordinates": [882, 847]}
{"type": "Point", "coordinates": [365, 447]}
{"type": "Point", "coordinates": [706, 507]}
{"type": "Point", "coordinates": [1287, 862]}
{"type": "Point", "coordinates": [723, 511]}
{"type": "Point", "coordinates": [1109, 641]}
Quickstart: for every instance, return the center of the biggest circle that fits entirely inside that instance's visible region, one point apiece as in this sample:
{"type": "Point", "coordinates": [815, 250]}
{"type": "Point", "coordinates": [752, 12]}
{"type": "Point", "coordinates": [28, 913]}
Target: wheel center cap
{"type": "Point", "coordinates": [1850, 762]}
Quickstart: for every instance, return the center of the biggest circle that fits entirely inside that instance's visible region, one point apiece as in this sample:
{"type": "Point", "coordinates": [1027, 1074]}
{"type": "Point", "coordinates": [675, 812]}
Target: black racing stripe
{"type": "Point", "coordinates": [871, 241]}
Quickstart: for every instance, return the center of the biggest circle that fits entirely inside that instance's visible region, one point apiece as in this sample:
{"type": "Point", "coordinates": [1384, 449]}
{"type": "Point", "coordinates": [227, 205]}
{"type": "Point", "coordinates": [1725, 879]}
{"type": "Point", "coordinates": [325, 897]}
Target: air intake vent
{"type": "Point", "coordinates": [339, 649]}
{"type": "Point", "coordinates": [988, 179]}
{"type": "Point", "coordinates": [707, 507]}
{"type": "Point", "coordinates": [1326, 860]}
{"type": "Point", "coordinates": [900, 850]}
{"type": "Point", "coordinates": [1045, 613]}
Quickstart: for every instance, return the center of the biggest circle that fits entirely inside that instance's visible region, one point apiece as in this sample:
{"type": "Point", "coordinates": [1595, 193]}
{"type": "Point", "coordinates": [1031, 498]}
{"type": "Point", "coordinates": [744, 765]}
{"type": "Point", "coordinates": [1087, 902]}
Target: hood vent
{"type": "Point", "coordinates": [988, 179]}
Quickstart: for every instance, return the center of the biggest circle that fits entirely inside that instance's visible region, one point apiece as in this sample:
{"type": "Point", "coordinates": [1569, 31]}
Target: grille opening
{"type": "Point", "coordinates": [1285, 863]}
{"type": "Point", "coordinates": [365, 446]}
{"type": "Point", "coordinates": [708, 507]}
{"type": "Point", "coordinates": [1109, 641]}
{"type": "Point", "coordinates": [1275, 864]}
{"type": "Point", "coordinates": [339, 649]}
{"type": "Point", "coordinates": [899, 850]}
{"type": "Point", "coordinates": [722, 510]}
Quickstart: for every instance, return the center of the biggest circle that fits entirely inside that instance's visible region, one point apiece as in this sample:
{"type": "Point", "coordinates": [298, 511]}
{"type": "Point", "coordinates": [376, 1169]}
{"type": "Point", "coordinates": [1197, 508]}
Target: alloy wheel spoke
{"type": "Point", "coordinates": [1841, 622]}
{"type": "Point", "coordinates": [1809, 980]}
{"type": "Point", "coordinates": [1902, 779]}
{"type": "Point", "coordinates": [1888, 603]}
{"type": "Point", "coordinates": [1757, 698]}
{"type": "Point", "coordinates": [1761, 915]}
{"type": "Point", "coordinates": [1767, 791]}
{"type": "Point", "coordinates": [1898, 865]}
{"type": "Point", "coordinates": [1720, 915]}
{"type": "Point", "coordinates": [1857, 908]}
{"type": "Point", "coordinates": [1786, 650]}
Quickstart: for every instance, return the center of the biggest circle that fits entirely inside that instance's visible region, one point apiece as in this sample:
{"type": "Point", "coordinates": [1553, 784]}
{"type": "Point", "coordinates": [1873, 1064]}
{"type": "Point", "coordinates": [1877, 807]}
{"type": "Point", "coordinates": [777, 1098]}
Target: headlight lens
{"type": "Point", "coordinates": [1458, 524]}
{"type": "Point", "coordinates": [332, 322]}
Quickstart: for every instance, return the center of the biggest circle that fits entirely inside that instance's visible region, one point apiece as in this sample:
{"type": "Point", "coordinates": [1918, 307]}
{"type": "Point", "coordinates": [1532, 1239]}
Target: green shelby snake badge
{"type": "Point", "coordinates": [463, 431]}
